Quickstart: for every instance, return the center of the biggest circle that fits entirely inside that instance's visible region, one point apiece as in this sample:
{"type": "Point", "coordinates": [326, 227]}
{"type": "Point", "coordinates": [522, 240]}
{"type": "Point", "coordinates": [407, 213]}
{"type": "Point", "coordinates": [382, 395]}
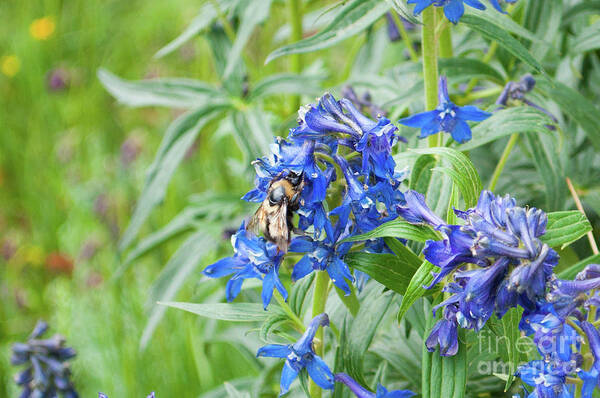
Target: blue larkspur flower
{"type": "Point", "coordinates": [591, 378]}
{"type": "Point", "coordinates": [512, 266]}
{"type": "Point", "coordinates": [453, 9]}
{"type": "Point", "coordinates": [497, 4]}
{"type": "Point", "coordinates": [548, 382]}
{"type": "Point", "coordinates": [447, 117]}
{"type": "Point", "coordinates": [254, 257]}
{"type": "Point", "coordinates": [362, 392]}
{"type": "Point", "coordinates": [47, 372]}
{"type": "Point", "coordinates": [324, 255]}
{"type": "Point", "coordinates": [445, 333]}
{"type": "Point", "coordinates": [301, 355]}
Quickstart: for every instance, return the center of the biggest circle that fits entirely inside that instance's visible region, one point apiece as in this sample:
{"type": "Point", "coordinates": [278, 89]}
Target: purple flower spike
{"type": "Point", "coordinates": [361, 392]}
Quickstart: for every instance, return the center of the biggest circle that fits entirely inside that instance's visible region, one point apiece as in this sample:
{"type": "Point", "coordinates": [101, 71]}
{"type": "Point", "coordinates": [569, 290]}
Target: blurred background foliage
{"type": "Point", "coordinates": [73, 163]}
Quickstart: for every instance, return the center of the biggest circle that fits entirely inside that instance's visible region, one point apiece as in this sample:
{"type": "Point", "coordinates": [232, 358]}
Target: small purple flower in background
{"type": "Point", "coordinates": [515, 92]}
{"type": "Point", "coordinates": [447, 117]}
{"type": "Point", "coordinates": [301, 355]}
{"type": "Point", "coordinates": [47, 372]}
{"type": "Point", "coordinates": [130, 149]}
{"type": "Point", "coordinates": [362, 392]}
{"type": "Point", "coordinates": [58, 79]}
{"type": "Point", "coordinates": [364, 103]}
{"type": "Point", "coordinates": [254, 257]}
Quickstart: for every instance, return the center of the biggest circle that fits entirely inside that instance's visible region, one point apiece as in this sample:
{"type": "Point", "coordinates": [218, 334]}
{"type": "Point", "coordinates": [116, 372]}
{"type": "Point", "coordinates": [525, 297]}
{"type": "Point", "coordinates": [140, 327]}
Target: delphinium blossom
{"type": "Point", "coordinates": [301, 355]}
{"type": "Point", "coordinates": [47, 372]}
{"type": "Point", "coordinates": [334, 148]}
{"type": "Point", "coordinates": [447, 117]}
{"type": "Point", "coordinates": [510, 265]}
{"type": "Point", "coordinates": [561, 326]}
{"type": "Point", "coordinates": [254, 257]}
{"type": "Point", "coordinates": [362, 392]}
{"type": "Point", "coordinates": [454, 9]}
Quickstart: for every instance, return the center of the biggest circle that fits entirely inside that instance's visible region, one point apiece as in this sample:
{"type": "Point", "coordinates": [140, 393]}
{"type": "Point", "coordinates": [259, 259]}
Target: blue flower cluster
{"type": "Point", "coordinates": [562, 326]}
{"type": "Point", "coordinates": [334, 146]}
{"type": "Point", "coordinates": [301, 355]}
{"type": "Point", "coordinates": [47, 371]}
{"type": "Point", "coordinates": [510, 265]}
{"type": "Point", "coordinates": [454, 9]}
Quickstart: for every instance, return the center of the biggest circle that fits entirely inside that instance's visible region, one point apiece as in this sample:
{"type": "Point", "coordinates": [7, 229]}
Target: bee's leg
{"type": "Point", "coordinates": [298, 231]}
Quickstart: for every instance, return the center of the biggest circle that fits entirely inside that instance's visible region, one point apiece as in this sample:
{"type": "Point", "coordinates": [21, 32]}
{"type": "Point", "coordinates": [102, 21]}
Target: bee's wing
{"type": "Point", "coordinates": [278, 228]}
{"type": "Point", "coordinates": [257, 221]}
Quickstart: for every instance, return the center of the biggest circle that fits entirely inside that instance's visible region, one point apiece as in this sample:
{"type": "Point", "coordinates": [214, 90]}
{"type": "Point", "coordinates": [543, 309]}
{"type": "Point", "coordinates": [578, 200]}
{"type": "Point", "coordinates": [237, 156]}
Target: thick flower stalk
{"type": "Point", "coordinates": [510, 264]}
{"type": "Point", "coordinates": [47, 372]}
{"type": "Point", "coordinates": [362, 392]}
{"type": "Point", "coordinates": [301, 355]}
{"type": "Point", "coordinates": [447, 117]}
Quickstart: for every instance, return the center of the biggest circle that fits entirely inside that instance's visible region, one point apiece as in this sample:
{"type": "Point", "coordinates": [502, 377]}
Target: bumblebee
{"type": "Point", "coordinates": [274, 217]}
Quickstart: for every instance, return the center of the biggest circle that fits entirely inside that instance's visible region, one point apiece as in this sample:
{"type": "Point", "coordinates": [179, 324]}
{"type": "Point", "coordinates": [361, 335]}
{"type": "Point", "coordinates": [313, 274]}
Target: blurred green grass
{"type": "Point", "coordinates": [71, 165]}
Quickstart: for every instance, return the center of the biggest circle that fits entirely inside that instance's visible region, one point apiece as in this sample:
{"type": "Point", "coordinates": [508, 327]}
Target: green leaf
{"type": "Point", "coordinates": [575, 106]}
{"type": "Point", "coordinates": [403, 10]}
{"type": "Point", "coordinates": [203, 20]}
{"type": "Point", "coordinates": [510, 325]}
{"type": "Point", "coordinates": [588, 39]}
{"type": "Point", "coordinates": [505, 122]}
{"type": "Point", "coordinates": [179, 224]}
{"type": "Point", "coordinates": [390, 270]}
{"type": "Point", "coordinates": [492, 31]}
{"type": "Point", "coordinates": [469, 68]}
{"type": "Point", "coordinates": [179, 137]}
{"type": "Point", "coordinates": [183, 263]}
{"type": "Point", "coordinates": [173, 93]}
{"type": "Point", "coordinates": [415, 289]}
{"type": "Point", "coordinates": [565, 227]}
{"type": "Point", "coordinates": [420, 174]}
{"type": "Point", "coordinates": [464, 175]}
{"type": "Point", "coordinates": [573, 270]}
{"type": "Point", "coordinates": [299, 293]}
{"type": "Point", "coordinates": [233, 392]}
{"type": "Point", "coordinates": [398, 229]}
{"type": "Point", "coordinates": [236, 312]}
{"type": "Point", "coordinates": [255, 13]}
{"type": "Point", "coordinates": [252, 132]}
{"type": "Point", "coordinates": [352, 18]}
{"type": "Point", "coordinates": [503, 21]}
{"type": "Point", "coordinates": [544, 159]}
{"type": "Point", "coordinates": [287, 83]}
{"type": "Point", "coordinates": [363, 329]}
{"type": "Point", "coordinates": [585, 7]}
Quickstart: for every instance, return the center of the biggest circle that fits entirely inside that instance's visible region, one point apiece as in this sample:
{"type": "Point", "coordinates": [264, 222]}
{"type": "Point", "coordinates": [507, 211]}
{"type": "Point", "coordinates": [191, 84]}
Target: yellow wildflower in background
{"type": "Point", "coordinates": [10, 65]}
{"type": "Point", "coordinates": [42, 28]}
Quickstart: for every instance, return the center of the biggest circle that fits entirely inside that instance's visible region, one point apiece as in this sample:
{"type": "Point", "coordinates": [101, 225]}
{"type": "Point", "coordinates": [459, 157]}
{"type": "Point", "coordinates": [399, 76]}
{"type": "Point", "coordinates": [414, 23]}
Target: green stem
{"type": "Point", "coordinates": [223, 19]}
{"type": "Point", "coordinates": [295, 19]}
{"type": "Point", "coordinates": [414, 57]}
{"type": "Point", "coordinates": [286, 308]}
{"type": "Point", "coordinates": [430, 65]}
{"type": "Point", "coordinates": [468, 98]}
{"type": "Point", "coordinates": [319, 300]}
{"type": "Point", "coordinates": [445, 42]}
{"type": "Point", "coordinates": [502, 162]}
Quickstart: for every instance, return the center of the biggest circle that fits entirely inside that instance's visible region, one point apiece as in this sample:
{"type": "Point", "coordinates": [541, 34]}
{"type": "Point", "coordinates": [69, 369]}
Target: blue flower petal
{"type": "Point", "coordinates": [267, 290]}
{"type": "Point", "coordinates": [319, 372]}
{"type": "Point", "coordinates": [471, 112]}
{"type": "Point", "coordinates": [475, 4]}
{"type": "Point", "coordinates": [288, 374]}
{"type": "Point", "coordinates": [233, 288]}
{"type": "Point", "coordinates": [225, 266]}
{"type": "Point", "coordinates": [420, 119]}
{"type": "Point", "coordinates": [454, 10]}
{"type": "Point", "coordinates": [302, 268]}
{"type": "Point", "coordinates": [461, 132]}
{"type": "Point", "coordinates": [274, 351]}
